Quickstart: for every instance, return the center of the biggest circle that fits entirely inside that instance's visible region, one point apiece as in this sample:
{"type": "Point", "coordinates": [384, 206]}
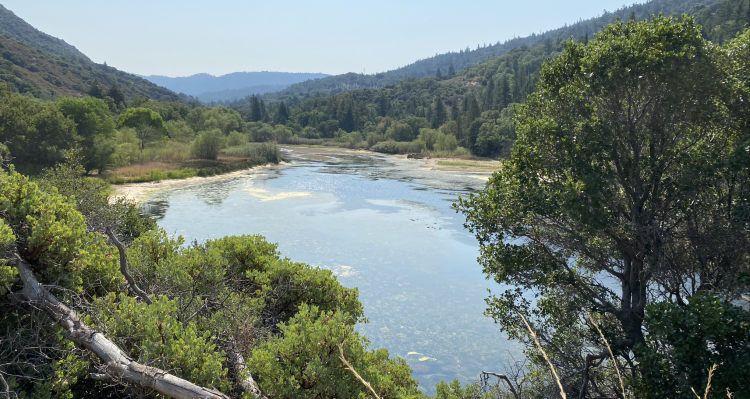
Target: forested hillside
{"type": "Point", "coordinates": [47, 68]}
{"type": "Point", "coordinates": [16, 28]}
{"type": "Point", "coordinates": [28, 69]}
{"type": "Point", "coordinates": [475, 104]}
{"type": "Point", "coordinates": [447, 63]}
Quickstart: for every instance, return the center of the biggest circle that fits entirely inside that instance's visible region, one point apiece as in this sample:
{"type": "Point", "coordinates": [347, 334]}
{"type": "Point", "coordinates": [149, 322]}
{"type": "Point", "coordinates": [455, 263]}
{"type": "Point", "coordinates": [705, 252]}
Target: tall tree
{"type": "Point", "coordinates": [282, 114]}
{"type": "Point", "coordinates": [96, 128]}
{"type": "Point", "coordinates": [95, 90]}
{"type": "Point", "coordinates": [116, 94]}
{"type": "Point", "coordinates": [625, 186]}
{"type": "Point", "coordinates": [256, 113]}
{"type": "Point", "coordinates": [439, 115]}
{"type": "Point", "coordinates": [147, 123]}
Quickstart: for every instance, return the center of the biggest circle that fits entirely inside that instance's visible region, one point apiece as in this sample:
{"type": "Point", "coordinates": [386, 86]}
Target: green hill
{"type": "Point", "coordinates": [16, 28]}
{"type": "Point", "coordinates": [46, 67]}
{"type": "Point", "coordinates": [45, 75]}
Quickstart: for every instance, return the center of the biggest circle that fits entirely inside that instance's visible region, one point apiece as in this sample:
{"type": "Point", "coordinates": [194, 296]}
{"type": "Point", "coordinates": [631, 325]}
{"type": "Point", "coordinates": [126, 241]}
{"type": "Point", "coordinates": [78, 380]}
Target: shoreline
{"type": "Point", "coordinates": [138, 192]}
{"type": "Point", "coordinates": [474, 167]}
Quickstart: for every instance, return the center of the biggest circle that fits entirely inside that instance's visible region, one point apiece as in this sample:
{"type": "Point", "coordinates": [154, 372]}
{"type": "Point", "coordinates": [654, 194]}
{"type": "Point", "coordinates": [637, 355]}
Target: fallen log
{"type": "Point", "coordinates": [117, 365]}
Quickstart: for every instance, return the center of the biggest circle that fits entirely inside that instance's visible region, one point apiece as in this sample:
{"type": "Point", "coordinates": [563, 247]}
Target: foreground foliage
{"type": "Point", "coordinates": [209, 302]}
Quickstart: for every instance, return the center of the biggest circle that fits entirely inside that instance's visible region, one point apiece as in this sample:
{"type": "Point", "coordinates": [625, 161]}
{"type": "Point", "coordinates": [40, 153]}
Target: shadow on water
{"type": "Point", "coordinates": [384, 226]}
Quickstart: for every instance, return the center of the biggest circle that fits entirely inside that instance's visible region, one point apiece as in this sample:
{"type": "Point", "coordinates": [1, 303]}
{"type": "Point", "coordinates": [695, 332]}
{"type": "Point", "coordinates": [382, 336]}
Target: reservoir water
{"type": "Point", "coordinates": [381, 224]}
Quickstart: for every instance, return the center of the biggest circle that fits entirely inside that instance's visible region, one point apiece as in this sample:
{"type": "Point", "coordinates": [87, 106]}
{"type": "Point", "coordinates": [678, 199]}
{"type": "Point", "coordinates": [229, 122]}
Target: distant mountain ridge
{"type": "Point", "coordinates": [467, 58]}
{"type": "Point", "coordinates": [231, 86]}
{"type": "Point", "coordinates": [16, 28]}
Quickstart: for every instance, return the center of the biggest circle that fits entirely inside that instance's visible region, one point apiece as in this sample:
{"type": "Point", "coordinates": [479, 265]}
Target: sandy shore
{"type": "Point", "coordinates": [140, 191]}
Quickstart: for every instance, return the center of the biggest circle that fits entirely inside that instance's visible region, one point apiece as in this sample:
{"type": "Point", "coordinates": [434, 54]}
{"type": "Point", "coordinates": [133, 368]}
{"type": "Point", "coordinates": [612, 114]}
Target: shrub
{"type": "Point", "coordinates": [395, 147]}
{"type": "Point", "coordinates": [207, 144]}
{"type": "Point", "coordinates": [236, 138]}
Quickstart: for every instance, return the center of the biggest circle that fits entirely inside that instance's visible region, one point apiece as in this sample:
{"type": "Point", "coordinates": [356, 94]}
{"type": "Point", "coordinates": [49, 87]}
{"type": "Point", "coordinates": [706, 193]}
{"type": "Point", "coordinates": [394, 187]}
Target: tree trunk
{"type": "Point", "coordinates": [118, 366]}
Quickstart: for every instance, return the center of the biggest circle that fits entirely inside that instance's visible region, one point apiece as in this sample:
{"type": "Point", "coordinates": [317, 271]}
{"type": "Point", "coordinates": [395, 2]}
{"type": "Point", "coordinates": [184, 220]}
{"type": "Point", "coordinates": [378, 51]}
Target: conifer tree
{"type": "Point", "coordinates": [96, 90]}
{"type": "Point", "coordinates": [439, 75]}
{"type": "Point", "coordinates": [282, 115]}
{"type": "Point", "coordinates": [264, 112]}
{"type": "Point", "coordinates": [440, 114]}
{"type": "Point", "coordinates": [451, 70]}
{"type": "Point", "coordinates": [503, 92]}
{"type": "Point", "coordinates": [256, 113]}
{"type": "Point", "coordinates": [116, 94]}
{"type": "Point", "coordinates": [489, 97]}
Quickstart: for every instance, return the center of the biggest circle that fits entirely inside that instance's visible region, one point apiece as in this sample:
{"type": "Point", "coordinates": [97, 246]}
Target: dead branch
{"type": "Point", "coordinates": [244, 381]}
{"type": "Point", "coordinates": [507, 380]}
{"type": "Point", "coordinates": [117, 365]}
{"type": "Point", "coordinates": [617, 365]}
{"type": "Point", "coordinates": [356, 374]}
{"type": "Point", "coordinates": [708, 384]}
{"type": "Point", "coordinates": [552, 367]}
{"type": "Point", "coordinates": [124, 267]}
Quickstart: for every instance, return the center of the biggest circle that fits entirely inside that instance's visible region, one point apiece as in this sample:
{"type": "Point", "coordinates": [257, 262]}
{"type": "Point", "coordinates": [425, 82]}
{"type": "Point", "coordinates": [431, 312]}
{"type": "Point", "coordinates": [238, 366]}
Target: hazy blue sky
{"type": "Point", "coordinates": [180, 38]}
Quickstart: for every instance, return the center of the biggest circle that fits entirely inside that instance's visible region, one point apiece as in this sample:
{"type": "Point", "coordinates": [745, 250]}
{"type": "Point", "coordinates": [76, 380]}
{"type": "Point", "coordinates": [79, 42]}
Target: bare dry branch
{"type": "Point", "coordinates": [551, 366]}
{"type": "Point", "coordinates": [117, 365]}
{"type": "Point", "coordinates": [350, 368]}
{"type": "Point", "coordinates": [708, 384]}
{"type": "Point", "coordinates": [124, 267]}
{"type": "Point", "coordinates": [507, 380]}
{"type": "Point", "coordinates": [614, 359]}
{"type": "Point", "coordinates": [244, 380]}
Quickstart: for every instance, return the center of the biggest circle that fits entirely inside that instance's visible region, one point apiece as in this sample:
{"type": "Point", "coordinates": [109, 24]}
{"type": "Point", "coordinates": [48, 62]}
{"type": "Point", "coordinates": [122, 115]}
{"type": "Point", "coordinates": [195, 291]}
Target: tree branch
{"type": "Point", "coordinates": [118, 366]}
{"type": "Point", "coordinates": [507, 380]}
{"type": "Point", "coordinates": [356, 374]}
{"type": "Point", "coordinates": [552, 367]}
{"type": "Point", "coordinates": [124, 267]}
{"type": "Point", "coordinates": [246, 381]}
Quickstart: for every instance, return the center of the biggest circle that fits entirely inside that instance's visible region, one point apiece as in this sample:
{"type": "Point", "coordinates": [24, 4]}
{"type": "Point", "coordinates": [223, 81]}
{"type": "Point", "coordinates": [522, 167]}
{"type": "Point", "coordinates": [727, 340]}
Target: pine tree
{"type": "Point", "coordinates": [116, 94]}
{"type": "Point", "coordinates": [263, 111]}
{"type": "Point", "coordinates": [383, 104]}
{"type": "Point", "coordinates": [440, 114]}
{"type": "Point", "coordinates": [503, 92]}
{"type": "Point", "coordinates": [282, 115]}
{"type": "Point", "coordinates": [96, 90]}
{"type": "Point", "coordinates": [256, 113]}
{"type": "Point", "coordinates": [489, 97]}
{"type": "Point", "coordinates": [347, 121]}
{"type": "Point", "coordinates": [439, 75]}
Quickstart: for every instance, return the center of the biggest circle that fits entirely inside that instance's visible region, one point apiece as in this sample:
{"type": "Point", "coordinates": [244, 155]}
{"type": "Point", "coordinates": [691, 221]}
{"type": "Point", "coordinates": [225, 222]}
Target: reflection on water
{"type": "Point", "coordinates": [384, 226]}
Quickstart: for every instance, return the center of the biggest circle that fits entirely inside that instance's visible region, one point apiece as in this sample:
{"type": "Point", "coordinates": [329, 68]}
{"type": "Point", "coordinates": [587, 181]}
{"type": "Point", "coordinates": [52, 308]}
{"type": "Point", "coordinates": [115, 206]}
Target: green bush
{"type": "Point", "coordinates": [266, 151]}
{"type": "Point", "coordinates": [236, 139]}
{"type": "Point", "coordinates": [396, 147]}
{"type": "Point", "coordinates": [208, 144]}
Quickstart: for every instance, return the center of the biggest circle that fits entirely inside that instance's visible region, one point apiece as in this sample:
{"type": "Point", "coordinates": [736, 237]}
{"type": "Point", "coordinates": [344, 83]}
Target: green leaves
{"type": "Point", "coordinates": [303, 361]}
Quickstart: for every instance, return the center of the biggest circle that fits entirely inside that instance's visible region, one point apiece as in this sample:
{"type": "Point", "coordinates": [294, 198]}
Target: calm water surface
{"type": "Point", "coordinates": [382, 225]}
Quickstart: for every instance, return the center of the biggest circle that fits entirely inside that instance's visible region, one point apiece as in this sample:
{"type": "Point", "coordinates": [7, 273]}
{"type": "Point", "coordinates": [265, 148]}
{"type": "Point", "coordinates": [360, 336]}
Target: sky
{"type": "Point", "coordinates": [185, 37]}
